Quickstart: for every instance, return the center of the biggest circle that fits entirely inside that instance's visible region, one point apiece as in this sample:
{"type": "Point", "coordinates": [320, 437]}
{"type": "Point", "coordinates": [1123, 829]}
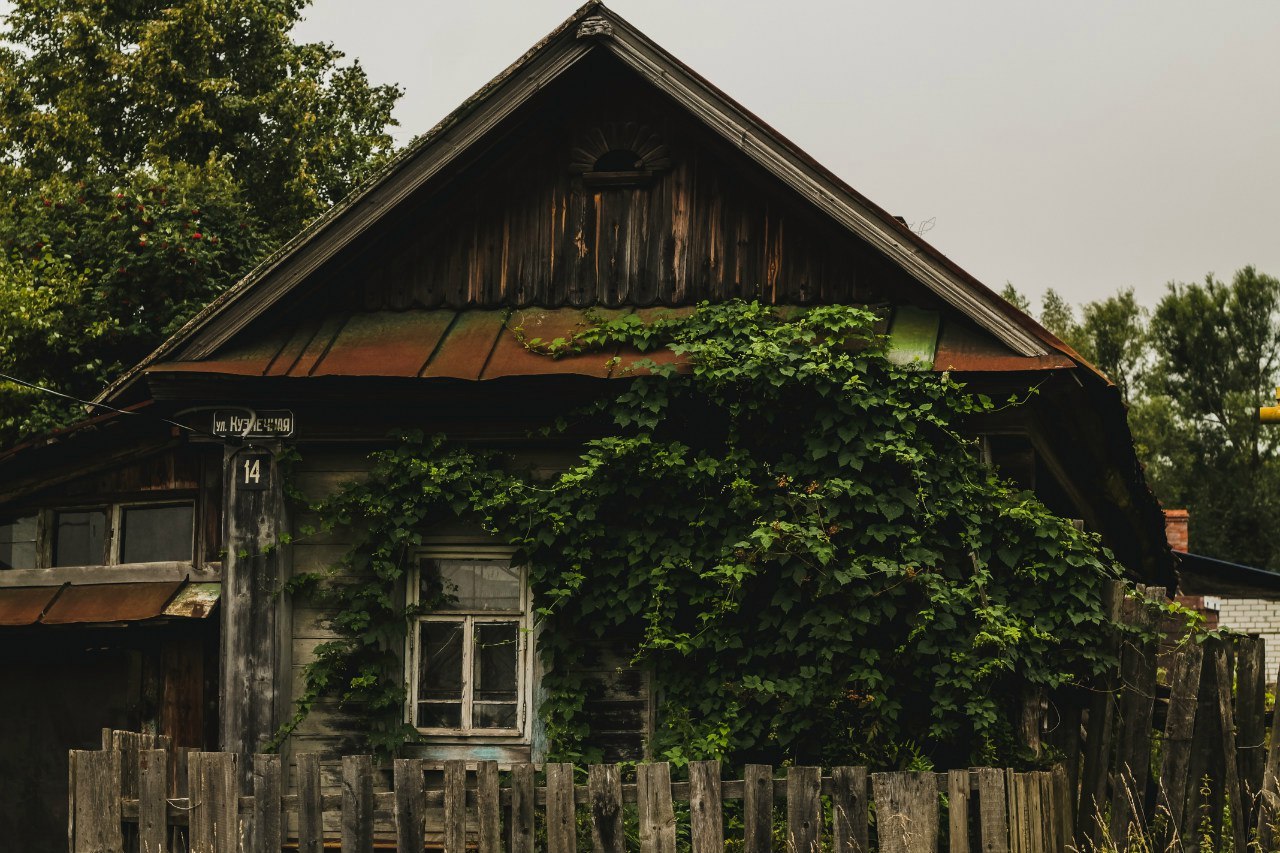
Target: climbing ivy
{"type": "Point", "coordinates": [793, 533]}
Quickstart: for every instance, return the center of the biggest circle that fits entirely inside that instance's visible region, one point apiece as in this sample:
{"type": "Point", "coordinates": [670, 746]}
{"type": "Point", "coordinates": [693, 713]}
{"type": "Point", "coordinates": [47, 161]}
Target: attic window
{"type": "Point", "coordinates": [619, 154]}
{"type": "Point", "coordinates": [620, 160]}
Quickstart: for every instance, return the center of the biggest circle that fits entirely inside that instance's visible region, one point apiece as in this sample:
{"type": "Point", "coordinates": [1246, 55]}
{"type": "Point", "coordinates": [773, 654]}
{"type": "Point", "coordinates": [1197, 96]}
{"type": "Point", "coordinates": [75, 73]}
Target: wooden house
{"type": "Point", "coordinates": [596, 172]}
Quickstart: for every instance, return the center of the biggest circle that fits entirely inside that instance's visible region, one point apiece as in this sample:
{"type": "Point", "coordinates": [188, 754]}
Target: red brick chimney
{"type": "Point", "coordinates": [1175, 528]}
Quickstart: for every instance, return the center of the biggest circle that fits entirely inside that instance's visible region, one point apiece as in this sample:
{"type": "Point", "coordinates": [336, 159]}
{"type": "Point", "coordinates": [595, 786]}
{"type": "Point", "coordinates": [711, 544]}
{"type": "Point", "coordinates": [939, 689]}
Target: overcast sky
{"type": "Point", "coordinates": [1085, 146]}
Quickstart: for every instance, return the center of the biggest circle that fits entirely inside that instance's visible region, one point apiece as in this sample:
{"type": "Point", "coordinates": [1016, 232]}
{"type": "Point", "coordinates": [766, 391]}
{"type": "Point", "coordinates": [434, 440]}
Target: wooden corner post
{"type": "Point", "coordinates": [254, 653]}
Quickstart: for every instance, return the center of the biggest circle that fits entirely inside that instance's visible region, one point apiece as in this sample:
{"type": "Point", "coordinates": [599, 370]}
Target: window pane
{"type": "Point", "coordinates": [440, 661]}
{"type": "Point", "coordinates": [18, 543]}
{"type": "Point", "coordinates": [439, 715]}
{"type": "Point", "coordinates": [494, 662]}
{"type": "Point", "coordinates": [156, 534]}
{"type": "Point", "coordinates": [472, 584]}
{"type": "Point", "coordinates": [79, 538]}
{"type": "Point", "coordinates": [493, 716]}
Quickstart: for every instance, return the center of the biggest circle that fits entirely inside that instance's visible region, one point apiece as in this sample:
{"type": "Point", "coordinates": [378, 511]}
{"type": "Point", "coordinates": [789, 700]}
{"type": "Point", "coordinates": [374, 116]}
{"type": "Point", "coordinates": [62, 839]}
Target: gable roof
{"type": "Point", "coordinates": [594, 28]}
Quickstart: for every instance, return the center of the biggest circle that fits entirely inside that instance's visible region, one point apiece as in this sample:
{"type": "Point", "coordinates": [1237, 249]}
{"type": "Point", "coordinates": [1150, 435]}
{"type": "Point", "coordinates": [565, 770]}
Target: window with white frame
{"type": "Point", "coordinates": [470, 656]}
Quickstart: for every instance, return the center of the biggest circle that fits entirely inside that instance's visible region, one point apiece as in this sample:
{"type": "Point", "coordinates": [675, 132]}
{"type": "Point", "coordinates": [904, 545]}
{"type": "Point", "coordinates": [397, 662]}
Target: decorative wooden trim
{"type": "Point", "coordinates": [88, 575]}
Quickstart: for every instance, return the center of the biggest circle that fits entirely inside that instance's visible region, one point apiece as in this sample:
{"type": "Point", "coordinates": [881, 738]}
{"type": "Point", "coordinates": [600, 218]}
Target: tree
{"type": "Point", "coordinates": [151, 154]}
{"type": "Point", "coordinates": [91, 86]}
{"type": "Point", "coordinates": [1216, 357]}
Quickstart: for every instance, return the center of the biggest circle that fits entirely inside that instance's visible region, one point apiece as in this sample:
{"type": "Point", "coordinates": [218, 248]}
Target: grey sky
{"type": "Point", "coordinates": [1082, 146]}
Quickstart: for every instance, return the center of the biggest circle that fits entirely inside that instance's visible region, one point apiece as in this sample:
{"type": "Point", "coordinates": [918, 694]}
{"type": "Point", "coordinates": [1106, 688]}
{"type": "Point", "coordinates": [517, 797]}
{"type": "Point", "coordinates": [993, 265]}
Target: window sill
{"type": "Point", "coordinates": [132, 573]}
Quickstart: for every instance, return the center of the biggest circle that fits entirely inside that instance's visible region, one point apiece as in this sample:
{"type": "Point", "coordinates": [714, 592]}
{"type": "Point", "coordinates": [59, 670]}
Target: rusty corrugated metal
{"type": "Point", "coordinates": [112, 602]}
{"type": "Point", "coordinates": [23, 605]}
{"type": "Point", "coordinates": [963, 348]}
{"type": "Point", "coordinates": [194, 601]}
{"type": "Point", "coordinates": [481, 344]}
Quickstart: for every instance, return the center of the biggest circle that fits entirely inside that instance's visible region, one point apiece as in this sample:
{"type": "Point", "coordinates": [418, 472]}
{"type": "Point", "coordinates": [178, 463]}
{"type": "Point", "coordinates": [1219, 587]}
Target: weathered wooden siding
{"type": "Point", "coordinates": [523, 227]}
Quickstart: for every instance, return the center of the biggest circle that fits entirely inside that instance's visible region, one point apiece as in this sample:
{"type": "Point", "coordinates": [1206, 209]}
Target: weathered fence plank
{"type": "Point", "coordinates": [1179, 728]}
{"type": "Point", "coordinates": [153, 790]}
{"type": "Point", "coordinates": [706, 811]}
{"type": "Point", "coordinates": [1100, 732]}
{"type": "Point", "coordinates": [1137, 698]}
{"type": "Point", "coordinates": [958, 811]}
{"type": "Point", "coordinates": [1269, 804]}
{"type": "Point", "coordinates": [411, 806]}
{"type": "Point", "coordinates": [1231, 780]}
{"type": "Point", "coordinates": [1251, 719]}
{"type": "Point", "coordinates": [604, 789]}
{"type": "Point", "coordinates": [757, 810]}
{"type": "Point", "coordinates": [561, 829]}
{"type": "Point", "coordinates": [993, 820]}
{"type": "Point", "coordinates": [310, 814]}
{"type": "Point", "coordinates": [906, 811]}
{"type": "Point", "coordinates": [267, 834]}
{"type": "Point", "coordinates": [215, 799]}
{"type": "Point", "coordinates": [522, 809]}
{"type": "Point", "coordinates": [95, 807]}
{"type": "Point", "coordinates": [489, 837]}
{"type": "Point", "coordinates": [455, 807]}
{"type": "Point", "coordinates": [849, 809]}
{"type": "Point", "coordinates": [357, 804]}
{"type": "Point", "coordinates": [657, 816]}
{"type": "Point", "coordinates": [1063, 801]}
{"type": "Point", "coordinates": [804, 809]}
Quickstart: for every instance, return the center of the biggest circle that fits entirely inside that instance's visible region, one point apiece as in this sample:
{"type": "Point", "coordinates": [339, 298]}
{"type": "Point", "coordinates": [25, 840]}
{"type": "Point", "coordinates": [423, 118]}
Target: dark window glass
{"type": "Point", "coordinates": [18, 543]}
{"type": "Point", "coordinates": [156, 534]}
{"type": "Point", "coordinates": [493, 665]}
{"type": "Point", "coordinates": [79, 538]}
{"type": "Point", "coordinates": [440, 675]}
{"type": "Point", "coordinates": [472, 584]}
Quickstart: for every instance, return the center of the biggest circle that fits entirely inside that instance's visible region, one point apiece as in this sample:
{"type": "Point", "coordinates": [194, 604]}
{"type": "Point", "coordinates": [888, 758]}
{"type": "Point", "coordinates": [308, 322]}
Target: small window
{"type": "Point", "coordinates": [80, 538]}
{"type": "Point", "coordinates": [18, 543]}
{"type": "Point", "coordinates": [619, 160]}
{"type": "Point", "coordinates": [156, 534]}
{"type": "Point", "coordinates": [470, 656]}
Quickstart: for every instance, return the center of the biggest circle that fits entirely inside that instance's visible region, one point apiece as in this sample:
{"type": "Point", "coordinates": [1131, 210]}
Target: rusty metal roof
{"type": "Point", "coordinates": [481, 344]}
{"type": "Point", "coordinates": [70, 604]}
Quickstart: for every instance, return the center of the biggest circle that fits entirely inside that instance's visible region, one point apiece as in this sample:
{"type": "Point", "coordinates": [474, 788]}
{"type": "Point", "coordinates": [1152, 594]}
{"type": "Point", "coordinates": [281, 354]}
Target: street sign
{"type": "Point", "coordinates": [245, 423]}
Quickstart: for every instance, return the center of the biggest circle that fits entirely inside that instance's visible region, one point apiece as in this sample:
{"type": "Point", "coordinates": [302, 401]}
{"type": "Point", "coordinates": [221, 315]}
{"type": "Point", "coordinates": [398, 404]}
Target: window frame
{"type": "Point", "coordinates": [116, 531]}
{"type": "Point", "coordinates": [113, 538]}
{"type": "Point", "coordinates": [523, 620]}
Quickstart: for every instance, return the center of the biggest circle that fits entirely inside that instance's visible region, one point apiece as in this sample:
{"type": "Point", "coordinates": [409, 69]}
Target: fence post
{"type": "Point", "coordinates": [561, 832]}
{"type": "Point", "coordinates": [1269, 802]}
{"type": "Point", "coordinates": [410, 808]}
{"type": "Point", "coordinates": [804, 809]}
{"type": "Point", "coordinates": [215, 802]}
{"type": "Point", "coordinates": [657, 817]}
{"type": "Point", "coordinates": [1179, 728]}
{"type": "Point", "coordinates": [489, 818]}
{"type": "Point", "coordinates": [958, 810]}
{"type": "Point", "coordinates": [95, 802]}
{"type": "Point", "coordinates": [993, 820]}
{"type": "Point", "coordinates": [522, 808]}
{"type": "Point", "coordinates": [266, 804]}
{"type": "Point", "coordinates": [455, 806]}
{"type": "Point", "coordinates": [1231, 779]}
{"type": "Point", "coordinates": [1251, 720]}
{"type": "Point", "coordinates": [906, 811]}
{"type": "Point", "coordinates": [706, 814]}
{"type": "Point", "coordinates": [1137, 700]}
{"type": "Point", "coordinates": [153, 811]}
{"type": "Point", "coordinates": [849, 815]}
{"type": "Point", "coordinates": [604, 788]}
{"type": "Point", "coordinates": [757, 812]}
{"type": "Point", "coordinates": [310, 809]}
{"type": "Point", "coordinates": [1097, 747]}
{"type": "Point", "coordinates": [357, 804]}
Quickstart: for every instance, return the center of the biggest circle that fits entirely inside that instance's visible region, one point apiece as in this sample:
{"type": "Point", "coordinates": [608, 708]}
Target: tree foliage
{"type": "Point", "coordinates": [789, 531]}
{"type": "Point", "coordinates": [150, 154]}
{"type": "Point", "coordinates": [1194, 371]}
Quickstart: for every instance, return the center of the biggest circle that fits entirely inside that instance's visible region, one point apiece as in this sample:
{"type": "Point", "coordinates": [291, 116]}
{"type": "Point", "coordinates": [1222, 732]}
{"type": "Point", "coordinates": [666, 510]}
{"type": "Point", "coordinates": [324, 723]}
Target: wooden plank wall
{"type": "Point", "coordinates": [521, 227]}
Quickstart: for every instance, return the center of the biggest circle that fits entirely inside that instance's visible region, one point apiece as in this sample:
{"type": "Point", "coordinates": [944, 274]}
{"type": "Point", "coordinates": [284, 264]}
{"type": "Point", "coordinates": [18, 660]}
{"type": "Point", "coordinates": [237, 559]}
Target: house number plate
{"type": "Point", "coordinates": [253, 472]}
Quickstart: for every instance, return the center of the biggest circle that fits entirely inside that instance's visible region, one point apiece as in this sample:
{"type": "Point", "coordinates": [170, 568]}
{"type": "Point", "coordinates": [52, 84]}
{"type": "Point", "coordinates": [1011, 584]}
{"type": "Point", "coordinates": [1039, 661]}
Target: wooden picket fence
{"type": "Point", "coordinates": [1213, 783]}
{"type": "Point", "coordinates": [128, 798]}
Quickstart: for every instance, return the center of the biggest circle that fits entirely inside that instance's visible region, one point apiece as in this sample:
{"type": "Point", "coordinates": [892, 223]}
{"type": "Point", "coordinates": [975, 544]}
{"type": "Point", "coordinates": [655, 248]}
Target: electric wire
{"type": "Point", "coordinates": [56, 393]}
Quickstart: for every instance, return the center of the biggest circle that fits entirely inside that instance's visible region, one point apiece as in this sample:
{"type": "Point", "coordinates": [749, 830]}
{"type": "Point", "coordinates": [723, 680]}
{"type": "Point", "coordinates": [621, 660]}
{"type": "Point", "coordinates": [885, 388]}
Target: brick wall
{"type": "Point", "coordinates": [1254, 616]}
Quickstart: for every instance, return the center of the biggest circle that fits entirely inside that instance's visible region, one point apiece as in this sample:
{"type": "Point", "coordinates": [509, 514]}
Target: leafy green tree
{"type": "Point", "coordinates": [150, 154]}
{"type": "Point", "coordinates": [1015, 298]}
{"type": "Point", "coordinates": [1215, 359]}
{"type": "Point", "coordinates": [1057, 315]}
{"type": "Point", "coordinates": [87, 85]}
{"type": "Point", "coordinates": [94, 272]}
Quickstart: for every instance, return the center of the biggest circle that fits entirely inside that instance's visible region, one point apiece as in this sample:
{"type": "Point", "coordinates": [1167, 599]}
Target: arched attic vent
{"type": "Point", "coordinates": [619, 154]}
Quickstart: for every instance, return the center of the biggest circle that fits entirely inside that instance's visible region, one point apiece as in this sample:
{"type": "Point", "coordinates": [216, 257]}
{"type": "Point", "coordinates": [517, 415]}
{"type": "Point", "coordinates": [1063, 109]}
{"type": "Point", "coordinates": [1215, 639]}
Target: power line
{"type": "Point", "coordinates": [92, 404]}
